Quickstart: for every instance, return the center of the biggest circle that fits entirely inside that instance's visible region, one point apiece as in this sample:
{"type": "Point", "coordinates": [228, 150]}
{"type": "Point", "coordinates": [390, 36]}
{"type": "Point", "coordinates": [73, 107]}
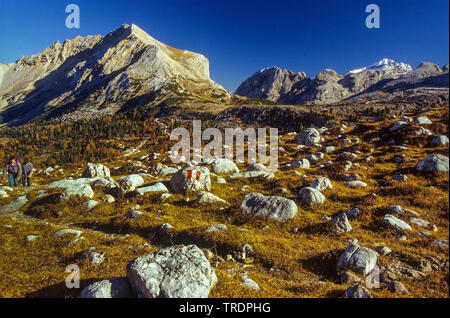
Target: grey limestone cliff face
{"type": "Point", "coordinates": [270, 83]}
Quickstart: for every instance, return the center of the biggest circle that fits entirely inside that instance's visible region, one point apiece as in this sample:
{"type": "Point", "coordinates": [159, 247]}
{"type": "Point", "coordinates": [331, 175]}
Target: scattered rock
{"type": "Point", "coordinates": [224, 166]}
{"type": "Point", "coordinates": [82, 190]}
{"type": "Point", "coordinates": [438, 141]}
{"type": "Point", "coordinates": [108, 198]}
{"type": "Point", "coordinates": [311, 197]}
{"type": "Point", "coordinates": [383, 250]}
{"type": "Point", "coordinates": [90, 205]}
{"type": "Point", "coordinates": [440, 244]}
{"type": "Point", "coordinates": [75, 233]}
{"type": "Point", "coordinates": [105, 183]}
{"type": "Point", "coordinates": [220, 180]}
{"type": "Point", "coordinates": [96, 171]}
{"type": "Point", "coordinates": [349, 278]}
{"type": "Point", "coordinates": [423, 120]}
{"type": "Point", "coordinates": [397, 288]}
{"type": "Point", "coordinates": [340, 223]}
{"type": "Point", "coordinates": [257, 167]}
{"type": "Point", "coordinates": [356, 184]}
{"type": "Point", "coordinates": [272, 207]}
{"type": "Point", "coordinates": [249, 283]}
{"type": "Point", "coordinates": [14, 206]}
{"type": "Point", "coordinates": [131, 182]}
{"type": "Point", "coordinates": [435, 163]}
{"type": "Point", "coordinates": [356, 291]}
{"type": "Point", "coordinates": [358, 259]}
{"type": "Point", "coordinates": [419, 222]}
{"type": "Point", "coordinates": [31, 238]}
{"type": "Point", "coordinates": [351, 177]}
{"type": "Point", "coordinates": [191, 179]}
{"type": "Point", "coordinates": [173, 272]}
{"type": "Point", "coordinates": [117, 287]}
{"type": "Point", "coordinates": [391, 221]}
{"type": "Point", "coordinates": [399, 178]}
{"type": "Point", "coordinates": [132, 214]}
{"type": "Point", "coordinates": [399, 125]}
{"type": "Point", "coordinates": [217, 228]}
{"type": "Point", "coordinates": [321, 184]}
{"type": "Point", "coordinates": [205, 198]}
{"type": "Point", "coordinates": [162, 170]}
{"type": "Point", "coordinates": [154, 188]}
{"type": "Point", "coordinates": [302, 163]}
{"type": "Point", "coordinates": [309, 137]}
{"type": "Point", "coordinates": [352, 213]}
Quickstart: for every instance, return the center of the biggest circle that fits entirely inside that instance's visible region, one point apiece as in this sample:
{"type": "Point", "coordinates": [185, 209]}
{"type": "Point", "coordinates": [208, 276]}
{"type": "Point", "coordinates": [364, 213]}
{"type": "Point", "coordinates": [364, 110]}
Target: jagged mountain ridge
{"type": "Point", "coordinates": [95, 75]}
{"type": "Point", "coordinates": [329, 87]}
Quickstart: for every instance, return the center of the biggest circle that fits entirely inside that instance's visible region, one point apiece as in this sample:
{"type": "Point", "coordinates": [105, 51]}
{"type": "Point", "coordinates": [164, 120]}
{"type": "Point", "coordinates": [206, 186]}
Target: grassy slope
{"type": "Point", "coordinates": [284, 265]}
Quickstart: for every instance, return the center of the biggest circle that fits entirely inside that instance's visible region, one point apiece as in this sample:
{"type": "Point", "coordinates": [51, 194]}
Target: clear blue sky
{"type": "Point", "coordinates": [240, 37]}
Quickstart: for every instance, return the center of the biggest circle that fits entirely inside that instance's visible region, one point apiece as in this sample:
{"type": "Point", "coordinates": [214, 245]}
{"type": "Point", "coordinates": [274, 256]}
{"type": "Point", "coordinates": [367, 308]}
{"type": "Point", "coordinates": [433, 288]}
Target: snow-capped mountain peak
{"type": "Point", "coordinates": [389, 65]}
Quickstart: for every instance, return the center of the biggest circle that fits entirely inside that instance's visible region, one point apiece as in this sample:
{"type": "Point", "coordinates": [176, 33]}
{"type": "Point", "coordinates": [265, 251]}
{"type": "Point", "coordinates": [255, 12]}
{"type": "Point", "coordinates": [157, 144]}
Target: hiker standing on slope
{"type": "Point", "coordinates": [27, 171]}
{"type": "Point", "coordinates": [14, 171]}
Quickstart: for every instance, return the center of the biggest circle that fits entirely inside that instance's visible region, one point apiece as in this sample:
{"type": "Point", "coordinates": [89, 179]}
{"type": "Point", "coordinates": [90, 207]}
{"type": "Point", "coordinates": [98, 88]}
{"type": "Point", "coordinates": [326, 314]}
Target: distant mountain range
{"type": "Point", "coordinates": [98, 75]}
{"type": "Point", "coordinates": [328, 87]}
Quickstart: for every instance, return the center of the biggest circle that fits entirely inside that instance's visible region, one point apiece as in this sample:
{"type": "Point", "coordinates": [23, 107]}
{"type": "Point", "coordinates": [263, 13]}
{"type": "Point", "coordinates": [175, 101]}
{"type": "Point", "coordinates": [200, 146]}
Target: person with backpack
{"type": "Point", "coordinates": [13, 171]}
{"type": "Point", "coordinates": [27, 172]}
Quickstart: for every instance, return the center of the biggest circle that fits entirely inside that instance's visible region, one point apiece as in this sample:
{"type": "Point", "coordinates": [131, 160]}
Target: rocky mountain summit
{"type": "Point", "coordinates": [98, 75]}
{"type": "Point", "coordinates": [329, 87]}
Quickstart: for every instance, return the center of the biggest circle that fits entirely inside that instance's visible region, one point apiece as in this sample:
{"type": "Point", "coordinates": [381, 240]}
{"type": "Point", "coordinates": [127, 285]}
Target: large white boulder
{"type": "Point", "coordinates": [96, 171]}
{"type": "Point", "coordinates": [162, 170]}
{"type": "Point", "coordinates": [271, 207]}
{"type": "Point", "coordinates": [81, 190]}
{"type": "Point", "coordinates": [438, 141]}
{"type": "Point", "coordinates": [173, 272]}
{"type": "Point", "coordinates": [311, 197]}
{"type": "Point", "coordinates": [308, 137]}
{"type": "Point", "coordinates": [321, 184]}
{"type": "Point", "coordinates": [423, 120]}
{"type": "Point", "coordinates": [435, 163]}
{"type": "Point", "coordinates": [395, 223]}
{"type": "Point", "coordinates": [154, 188]}
{"type": "Point", "coordinates": [205, 198]}
{"type": "Point", "coordinates": [107, 182]}
{"type": "Point", "coordinates": [302, 163]}
{"type": "Point", "coordinates": [191, 179]}
{"type": "Point", "coordinates": [131, 182]}
{"type": "Point", "coordinates": [358, 259]}
{"type": "Point", "coordinates": [224, 166]}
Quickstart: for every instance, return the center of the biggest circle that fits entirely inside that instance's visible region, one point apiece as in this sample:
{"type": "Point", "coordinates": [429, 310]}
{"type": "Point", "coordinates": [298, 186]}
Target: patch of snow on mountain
{"type": "Point", "coordinates": [386, 64]}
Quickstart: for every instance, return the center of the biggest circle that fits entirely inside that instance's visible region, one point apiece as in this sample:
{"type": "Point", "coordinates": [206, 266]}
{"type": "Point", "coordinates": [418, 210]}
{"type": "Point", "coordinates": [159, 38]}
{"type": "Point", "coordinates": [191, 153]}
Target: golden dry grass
{"type": "Point", "coordinates": [286, 263]}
